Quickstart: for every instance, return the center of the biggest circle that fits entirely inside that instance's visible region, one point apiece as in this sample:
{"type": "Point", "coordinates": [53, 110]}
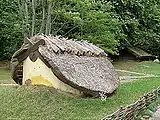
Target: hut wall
{"type": "Point", "coordinates": [39, 74]}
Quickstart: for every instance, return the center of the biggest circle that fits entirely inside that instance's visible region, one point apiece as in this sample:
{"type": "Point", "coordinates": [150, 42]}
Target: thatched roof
{"type": "Point", "coordinates": [79, 64]}
{"type": "Point", "coordinates": [138, 52]}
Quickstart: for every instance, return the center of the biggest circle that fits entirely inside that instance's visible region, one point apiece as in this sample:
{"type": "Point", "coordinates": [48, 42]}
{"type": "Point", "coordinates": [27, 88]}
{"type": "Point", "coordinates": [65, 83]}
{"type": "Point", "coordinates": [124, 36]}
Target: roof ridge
{"type": "Point", "coordinates": [60, 45]}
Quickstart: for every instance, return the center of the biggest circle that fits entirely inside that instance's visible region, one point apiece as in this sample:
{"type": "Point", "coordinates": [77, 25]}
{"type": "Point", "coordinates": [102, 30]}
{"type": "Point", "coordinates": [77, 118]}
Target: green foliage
{"type": "Point", "coordinates": [98, 25]}
{"type": "Point", "coordinates": [140, 21]}
{"type": "Point", "coordinates": [10, 30]}
{"type": "Point", "coordinates": [110, 24]}
{"type": "Point", "coordinates": [80, 19]}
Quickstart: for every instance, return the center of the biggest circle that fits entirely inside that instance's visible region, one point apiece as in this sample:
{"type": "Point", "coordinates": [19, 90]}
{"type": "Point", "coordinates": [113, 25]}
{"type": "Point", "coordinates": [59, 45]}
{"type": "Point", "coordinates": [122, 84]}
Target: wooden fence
{"type": "Point", "coordinates": [130, 111]}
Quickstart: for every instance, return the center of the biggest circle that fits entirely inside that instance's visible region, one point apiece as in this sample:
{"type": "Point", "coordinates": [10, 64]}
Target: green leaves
{"type": "Point", "coordinates": [111, 24]}
{"type": "Point", "coordinates": [10, 30]}
{"type": "Point", "coordinates": [91, 21]}
{"type": "Point", "coordinates": [140, 21]}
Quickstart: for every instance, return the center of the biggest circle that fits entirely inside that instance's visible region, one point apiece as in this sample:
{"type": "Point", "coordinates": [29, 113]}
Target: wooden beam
{"type": "Point", "coordinates": [31, 49]}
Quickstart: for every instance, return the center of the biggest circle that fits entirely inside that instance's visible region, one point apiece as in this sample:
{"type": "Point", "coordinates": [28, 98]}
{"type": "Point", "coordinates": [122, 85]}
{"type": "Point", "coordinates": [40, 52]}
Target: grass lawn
{"type": "Point", "coordinates": [46, 103]}
{"type": "Point", "coordinates": [5, 76]}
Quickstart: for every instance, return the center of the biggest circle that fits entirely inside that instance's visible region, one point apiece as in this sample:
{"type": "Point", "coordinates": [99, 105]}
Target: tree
{"type": "Point", "coordinates": [10, 30]}
{"type": "Point", "coordinates": [140, 22]}
{"type": "Point", "coordinates": [80, 19]}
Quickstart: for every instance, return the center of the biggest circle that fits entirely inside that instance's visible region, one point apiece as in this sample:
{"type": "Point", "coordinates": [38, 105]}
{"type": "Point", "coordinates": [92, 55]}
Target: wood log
{"type": "Point", "coordinates": [52, 46]}
{"type": "Point", "coordinates": [32, 48]}
{"type": "Point", "coordinates": [86, 51]}
{"type": "Point", "coordinates": [58, 43]}
{"type": "Point", "coordinates": [71, 47]}
{"type": "Point", "coordinates": [34, 56]}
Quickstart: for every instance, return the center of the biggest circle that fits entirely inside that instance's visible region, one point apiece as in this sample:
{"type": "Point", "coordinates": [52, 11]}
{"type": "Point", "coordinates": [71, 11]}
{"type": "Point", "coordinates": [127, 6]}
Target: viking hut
{"type": "Point", "coordinates": [69, 65]}
{"type": "Point", "coordinates": [134, 53]}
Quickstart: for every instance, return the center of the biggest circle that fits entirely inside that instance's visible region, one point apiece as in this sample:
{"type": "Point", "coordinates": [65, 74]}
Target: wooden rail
{"type": "Point", "coordinates": [130, 111]}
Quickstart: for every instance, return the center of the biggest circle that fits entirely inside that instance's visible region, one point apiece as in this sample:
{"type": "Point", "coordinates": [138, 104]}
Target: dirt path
{"type": "Point", "coordinates": [156, 115]}
{"type": "Point", "coordinates": [136, 77]}
{"type": "Point", "coordinates": [10, 84]}
{"type": "Point", "coordinates": [124, 79]}
{"type": "Point", "coordinates": [125, 71]}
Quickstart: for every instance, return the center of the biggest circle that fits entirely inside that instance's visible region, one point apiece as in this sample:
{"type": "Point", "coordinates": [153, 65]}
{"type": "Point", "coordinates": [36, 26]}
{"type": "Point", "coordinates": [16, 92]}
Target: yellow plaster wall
{"type": "Point", "coordinates": [39, 73]}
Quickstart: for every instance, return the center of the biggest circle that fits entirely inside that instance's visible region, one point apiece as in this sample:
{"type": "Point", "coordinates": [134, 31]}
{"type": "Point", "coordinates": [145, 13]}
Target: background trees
{"type": "Point", "coordinates": [140, 22]}
{"type": "Point", "coordinates": [80, 19]}
{"type": "Point", "coordinates": [10, 28]}
{"type": "Point", "coordinates": [112, 24]}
